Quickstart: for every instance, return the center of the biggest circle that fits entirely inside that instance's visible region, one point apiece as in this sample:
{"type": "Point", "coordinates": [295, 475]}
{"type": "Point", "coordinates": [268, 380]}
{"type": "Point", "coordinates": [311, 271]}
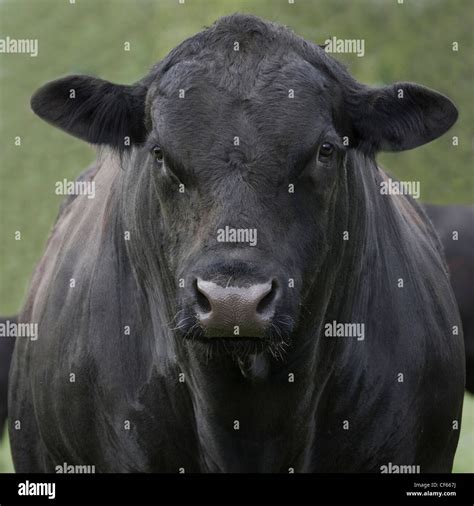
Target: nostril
{"type": "Point", "coordinates": [202, 301]}
{"type": "Point", "coordinates": [267, 301]}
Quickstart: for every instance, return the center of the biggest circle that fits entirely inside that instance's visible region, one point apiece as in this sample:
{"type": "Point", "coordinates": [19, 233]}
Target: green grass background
{"type": "Point", "coordinates": [410, 41]}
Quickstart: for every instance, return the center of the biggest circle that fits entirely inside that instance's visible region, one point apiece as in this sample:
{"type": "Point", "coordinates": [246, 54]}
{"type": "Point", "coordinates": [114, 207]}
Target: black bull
{"type": "Point", "coordinates": [162, 348]}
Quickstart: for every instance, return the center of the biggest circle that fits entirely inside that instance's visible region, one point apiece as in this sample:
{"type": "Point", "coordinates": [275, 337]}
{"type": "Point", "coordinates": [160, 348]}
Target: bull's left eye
{"type": "Point", "coordinates": [325, 151]}
{"type": "Point", "coordinates": [157, 153]}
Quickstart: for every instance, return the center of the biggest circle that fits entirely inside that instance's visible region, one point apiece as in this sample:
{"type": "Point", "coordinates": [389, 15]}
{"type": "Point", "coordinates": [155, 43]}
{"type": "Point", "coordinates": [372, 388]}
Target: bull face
{"type": "Point", "coordinates": [238, 158]}
{"type": "Point", "coordinates": [244, 179]}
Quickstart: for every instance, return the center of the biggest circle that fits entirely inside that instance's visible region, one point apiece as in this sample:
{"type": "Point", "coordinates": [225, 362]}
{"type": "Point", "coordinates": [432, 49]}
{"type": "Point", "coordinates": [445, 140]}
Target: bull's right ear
{"type": "Point", "coordinates": [94, 110]}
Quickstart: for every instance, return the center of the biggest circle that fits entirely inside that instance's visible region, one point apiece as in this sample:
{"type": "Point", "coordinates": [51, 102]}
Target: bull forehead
{"type": "Point", "coordinates": [242, 73]}
{"type": "Point", "coordinates": [276, 104]}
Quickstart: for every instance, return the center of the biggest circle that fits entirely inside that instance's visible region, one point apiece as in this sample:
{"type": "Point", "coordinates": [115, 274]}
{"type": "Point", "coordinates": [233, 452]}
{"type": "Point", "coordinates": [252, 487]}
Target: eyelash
{"type": "Point", "coordinates": [150, 143]}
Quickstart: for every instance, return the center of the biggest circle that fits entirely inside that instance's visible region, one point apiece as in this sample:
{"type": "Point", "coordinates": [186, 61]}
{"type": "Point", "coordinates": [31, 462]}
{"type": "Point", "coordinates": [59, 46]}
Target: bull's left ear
{"type": "Point", "coordinates": [96, 111]}
{"type": "Point", "coordinates": [398, 117]}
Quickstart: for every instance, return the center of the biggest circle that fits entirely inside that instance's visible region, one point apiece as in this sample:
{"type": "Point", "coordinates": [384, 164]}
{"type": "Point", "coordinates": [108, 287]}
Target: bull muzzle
{"type": "Point", "coordinates": [233, 311]}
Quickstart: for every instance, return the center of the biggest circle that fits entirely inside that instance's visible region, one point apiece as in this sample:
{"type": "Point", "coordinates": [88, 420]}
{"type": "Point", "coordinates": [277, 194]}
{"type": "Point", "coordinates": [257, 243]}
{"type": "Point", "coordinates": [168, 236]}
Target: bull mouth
{"type": "Point", "coordinates": [234, 347]}
{"type": "Point", "coordinates": [275, 343]}
{"type": "Point", "coordinates": [230, 340]}
{"type": "Point", "coordinates": [200, 336]}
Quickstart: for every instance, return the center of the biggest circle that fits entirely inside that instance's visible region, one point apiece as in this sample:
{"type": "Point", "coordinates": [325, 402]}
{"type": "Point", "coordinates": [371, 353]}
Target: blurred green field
{"type": "Point", "coordinates": [403, 42]}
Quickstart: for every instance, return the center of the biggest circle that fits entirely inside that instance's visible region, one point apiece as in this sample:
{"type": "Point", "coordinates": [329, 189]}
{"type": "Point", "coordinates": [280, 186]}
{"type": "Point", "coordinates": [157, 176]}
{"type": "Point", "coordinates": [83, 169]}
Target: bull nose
{"type": "Point", "coordinates": [235, 311]}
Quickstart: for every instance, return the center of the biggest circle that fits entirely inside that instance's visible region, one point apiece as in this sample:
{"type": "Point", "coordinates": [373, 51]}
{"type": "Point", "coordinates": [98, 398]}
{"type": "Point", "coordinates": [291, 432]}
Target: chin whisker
{"type": "Point", "coordinates": [276, 341]}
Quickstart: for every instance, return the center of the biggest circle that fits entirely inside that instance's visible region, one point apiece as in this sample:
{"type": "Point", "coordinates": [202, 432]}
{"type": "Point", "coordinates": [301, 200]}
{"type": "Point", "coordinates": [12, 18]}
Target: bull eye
{"type": "Point", "coordinates": [157, 153]}
{"type": "Point", "coordinates": [325, 151]}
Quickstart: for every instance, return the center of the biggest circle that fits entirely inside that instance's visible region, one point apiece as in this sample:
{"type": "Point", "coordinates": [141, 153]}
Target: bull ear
{"type": "Point", "coordinates": [401, 116]}
{"type": "Point", "coordinates": [94, 110]}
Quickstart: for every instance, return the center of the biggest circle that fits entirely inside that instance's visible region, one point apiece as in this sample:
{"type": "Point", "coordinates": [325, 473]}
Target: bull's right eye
{"type": "Point", "coordinates": [157, 153]}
